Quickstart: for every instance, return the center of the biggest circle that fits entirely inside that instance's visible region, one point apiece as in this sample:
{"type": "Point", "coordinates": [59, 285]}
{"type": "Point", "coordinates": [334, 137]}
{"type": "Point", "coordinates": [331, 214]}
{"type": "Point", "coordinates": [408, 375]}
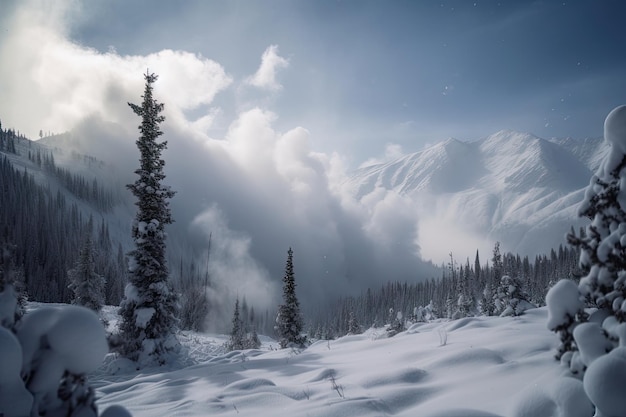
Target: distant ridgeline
{"type": "Point", "coordinates": [91, 192]}
{"type": "Point", "coordinates": [41, 230]}
{"type": "Point", "coordinates": [8, 139]}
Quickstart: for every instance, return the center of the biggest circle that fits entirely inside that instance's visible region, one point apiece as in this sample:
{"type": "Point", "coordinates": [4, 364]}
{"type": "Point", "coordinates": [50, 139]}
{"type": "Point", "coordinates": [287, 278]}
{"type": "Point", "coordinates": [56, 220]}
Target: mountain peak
{"type": "Point", "coordinates": [509, 185]}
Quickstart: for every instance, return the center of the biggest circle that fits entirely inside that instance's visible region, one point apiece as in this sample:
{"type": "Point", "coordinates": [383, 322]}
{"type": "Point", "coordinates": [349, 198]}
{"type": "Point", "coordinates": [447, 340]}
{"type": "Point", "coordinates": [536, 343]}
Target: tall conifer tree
{"type": "Point", "coordinates": [149, 309]}
{"type": "Point", "coordinates": [86, 284]}
{"type": "Point", "coordinates": [289, 321]}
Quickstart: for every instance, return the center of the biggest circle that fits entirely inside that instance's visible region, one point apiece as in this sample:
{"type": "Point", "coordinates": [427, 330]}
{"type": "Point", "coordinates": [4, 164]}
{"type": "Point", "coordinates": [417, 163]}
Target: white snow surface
{"type": "Point", "coordinates": [489, 366]}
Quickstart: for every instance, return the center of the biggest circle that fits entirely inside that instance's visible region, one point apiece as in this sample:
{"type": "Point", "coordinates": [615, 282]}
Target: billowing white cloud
{"type": "Point", "coordinates": [257, 191]}
{"type": "Point", "coordinates": [55, 83]}
{"type": "Point", "coordinates": [392, 151]}
{"type": "Point", "coordinates": [265, 76]}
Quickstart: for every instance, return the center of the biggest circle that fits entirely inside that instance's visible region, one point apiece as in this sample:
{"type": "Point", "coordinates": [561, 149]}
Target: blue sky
{"type": "Point", "coordinates": [362, 74]}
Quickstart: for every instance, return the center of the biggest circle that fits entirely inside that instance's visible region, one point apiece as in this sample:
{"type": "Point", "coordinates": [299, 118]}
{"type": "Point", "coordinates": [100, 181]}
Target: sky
{"type": "Point", "coordinates": [360, 75]}
{"type": "Point", "coordinates": [270, 104]}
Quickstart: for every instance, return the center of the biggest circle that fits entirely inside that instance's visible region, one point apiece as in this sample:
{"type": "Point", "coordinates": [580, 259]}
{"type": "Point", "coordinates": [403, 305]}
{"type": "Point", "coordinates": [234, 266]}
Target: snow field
{"type": "Point", "coordinates": [489, 366]}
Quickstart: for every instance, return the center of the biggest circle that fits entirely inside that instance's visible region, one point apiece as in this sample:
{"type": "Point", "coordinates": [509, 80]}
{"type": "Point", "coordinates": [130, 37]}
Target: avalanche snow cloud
{"type": "Point", "coordinates": [256, 191]}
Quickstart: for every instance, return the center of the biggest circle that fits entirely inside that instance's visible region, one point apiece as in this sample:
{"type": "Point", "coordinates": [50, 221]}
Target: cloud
{"type": "Point", "coordinates": [256, 190]}
{"type": "Point", "coordinates": [61, 82]}
{"type": "Point", "coordinates": [265, 77]}
{"type": "Point", "coordinates": [393, 151]}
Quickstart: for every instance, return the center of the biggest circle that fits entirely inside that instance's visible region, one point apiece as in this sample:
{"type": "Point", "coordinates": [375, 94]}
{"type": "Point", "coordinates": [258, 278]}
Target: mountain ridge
{"type": "Point", "coordinates": [511, 187]}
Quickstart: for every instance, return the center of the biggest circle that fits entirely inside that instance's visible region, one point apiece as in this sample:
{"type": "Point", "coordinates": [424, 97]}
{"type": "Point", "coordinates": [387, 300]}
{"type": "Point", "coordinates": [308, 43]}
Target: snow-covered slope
{"type": "Point", "coordinates": [89, 168]}
{"type": "Point", "coordinates": [483, 366]}
{"type": "Point", "coordinates": [513, 187]}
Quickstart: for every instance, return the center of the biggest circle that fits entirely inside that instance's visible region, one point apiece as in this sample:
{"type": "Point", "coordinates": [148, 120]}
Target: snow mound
{"type": "Point", "coordinates": [15, 400]}
{"type": "Point", "coordinates": [563, 300]}
{"type": "Point", "coordinates": [73, 336]}
{"type": "Point", "coordinates": [564, 397]}
{"type": "Point", "coordinates": [615, 128]}
{"type": "Point", "coordinates": [605, 380]}
{"type": "Point", "coordinates": [468, 357]}
{"type": "Point", "coordinates": [462, 412]}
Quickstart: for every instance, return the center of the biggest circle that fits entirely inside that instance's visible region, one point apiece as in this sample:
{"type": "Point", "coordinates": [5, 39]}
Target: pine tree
{"type": "Point", "coordinates": [477, 267]}
{"type": "Point", "coordinates": [149, 309]}
{"type": "Point", "coordinates": [237, 333]}
{"type": "Point", "coordinates": [486, 304]}
{"type": "Point", "coordinates": [498, 266]}
{"type": "Point", "coordinates": [465, 301]}
{"type": "Point", "coordinates": [353, 324]}
{"type": "Point", "coordinates": [86, 284]}
{"type": "Point", "coordinates": [289, 321]}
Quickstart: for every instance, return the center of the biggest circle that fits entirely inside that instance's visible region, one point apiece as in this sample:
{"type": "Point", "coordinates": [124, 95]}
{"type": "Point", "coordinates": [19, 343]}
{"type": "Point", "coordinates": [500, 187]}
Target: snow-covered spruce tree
{"type": "Point", "coordinates": [511, 299]}
{"type": "Point", "coordinates": [289, 321]}
{"type": "Point", "coordinates": [465, 300]}
{"type": "Point", "coordinates": [353, 325]}
{"type": "Point", "coordinates": [86, 284]}
{"type": "Point", "coordinates": [237, 333]}
{"type": "Point", "coordinates": [486, 304]}
{"type": "Point", "coordinates": [603, 255]}
{"type": "Point", "coordinates": [148, 310]}
{"type": "Point", "coordinates": [603, 247]}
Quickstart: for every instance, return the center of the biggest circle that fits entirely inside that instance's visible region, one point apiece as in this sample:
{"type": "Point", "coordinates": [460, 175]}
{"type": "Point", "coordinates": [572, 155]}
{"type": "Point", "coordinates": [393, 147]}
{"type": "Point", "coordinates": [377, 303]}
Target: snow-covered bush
{"type": "Point", "coordinates": [353, 324]}
{"type": "Point", "coordinates": [511, 300]}
{"type": "Point", "coordinates": [423, 314]}
{"type": "Point", "coordinates": [396, 325]}
{"type": "Point", "coordinates": [45, 361]}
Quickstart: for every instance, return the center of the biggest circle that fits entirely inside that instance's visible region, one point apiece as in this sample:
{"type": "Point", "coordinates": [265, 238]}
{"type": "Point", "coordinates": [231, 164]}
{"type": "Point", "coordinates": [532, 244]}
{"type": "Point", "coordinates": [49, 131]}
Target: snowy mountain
{"type": "Point", "coordinates": [510, 187]}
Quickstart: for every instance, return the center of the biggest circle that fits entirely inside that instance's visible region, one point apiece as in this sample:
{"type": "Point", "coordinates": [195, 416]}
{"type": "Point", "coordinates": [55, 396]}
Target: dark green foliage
{"type": "Point", "coordinates": [86, 284]}
{"type": "Point", "coordinates": [289, 321]}
{"type": "Point", "coordinates": [237, 333]}
{"type": "Point", "coordinates": [149, 309]}
{"type": "Point", "coordinates": [240, 336]}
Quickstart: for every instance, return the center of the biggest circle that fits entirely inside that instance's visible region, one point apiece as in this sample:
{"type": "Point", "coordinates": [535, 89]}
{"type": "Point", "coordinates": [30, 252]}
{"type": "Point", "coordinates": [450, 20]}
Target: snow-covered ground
{"type": "Point", "coordinates": [481, 366]}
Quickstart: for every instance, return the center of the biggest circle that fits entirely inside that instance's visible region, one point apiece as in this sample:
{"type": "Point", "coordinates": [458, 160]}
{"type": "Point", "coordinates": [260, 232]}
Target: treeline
{"type": "Point", "coordinates": [44, 233]}
{"type": "Point", "coordinates": [8, 140]}
{"type": "Point", "coordinates": [100, 197]}
{"type": "Point", "coordinates": [104, 199]}
{"type": "Point", "coordinates": [504, 285]}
